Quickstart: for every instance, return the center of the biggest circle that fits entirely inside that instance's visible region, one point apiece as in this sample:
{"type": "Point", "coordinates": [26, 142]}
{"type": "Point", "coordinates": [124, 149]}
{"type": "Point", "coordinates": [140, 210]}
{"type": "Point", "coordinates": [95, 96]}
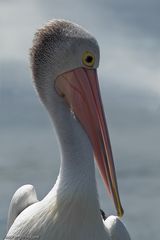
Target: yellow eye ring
{"type": "Point", "coordinates": [88, 59]}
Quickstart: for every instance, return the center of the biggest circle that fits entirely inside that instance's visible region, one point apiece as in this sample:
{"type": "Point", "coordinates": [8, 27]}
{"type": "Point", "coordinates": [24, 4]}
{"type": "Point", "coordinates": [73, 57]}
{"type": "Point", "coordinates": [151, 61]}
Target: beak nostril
{"type": "Point", "coordinates": [59, 86]}
{"type": "Point", "coordinates": [58, 90]}
{"type": "Point", "coordinates": [62, 95]}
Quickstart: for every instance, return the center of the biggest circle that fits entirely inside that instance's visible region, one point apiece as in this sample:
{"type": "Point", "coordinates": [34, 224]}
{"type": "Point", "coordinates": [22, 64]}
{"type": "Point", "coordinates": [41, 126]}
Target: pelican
{"type": "Point", "coordinates": [64, 59]}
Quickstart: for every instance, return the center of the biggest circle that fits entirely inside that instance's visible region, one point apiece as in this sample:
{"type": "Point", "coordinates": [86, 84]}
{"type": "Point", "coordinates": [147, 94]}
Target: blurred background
{"type": "Point", "coordinates": [129, 38]}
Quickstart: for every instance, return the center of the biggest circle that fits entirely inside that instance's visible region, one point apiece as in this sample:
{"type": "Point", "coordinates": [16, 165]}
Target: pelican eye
{"type": "Point", "coordinates": [88, 59]}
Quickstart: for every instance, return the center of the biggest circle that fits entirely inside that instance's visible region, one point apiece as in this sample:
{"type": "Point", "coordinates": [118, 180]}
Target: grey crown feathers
{"type": "Point", "coordinates": [57, 48]}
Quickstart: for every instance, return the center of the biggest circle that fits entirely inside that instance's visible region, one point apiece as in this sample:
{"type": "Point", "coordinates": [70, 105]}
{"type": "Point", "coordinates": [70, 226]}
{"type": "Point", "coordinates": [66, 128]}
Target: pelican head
{"type": "Point", "coordinates": [64, 59]}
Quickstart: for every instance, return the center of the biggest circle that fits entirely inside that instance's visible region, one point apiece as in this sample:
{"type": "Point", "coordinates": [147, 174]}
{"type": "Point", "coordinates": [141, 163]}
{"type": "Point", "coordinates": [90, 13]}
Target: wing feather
{"type": "Point", "coordinates": [116, 228]}
{"type": "Point", "coordinates": [22, 198]}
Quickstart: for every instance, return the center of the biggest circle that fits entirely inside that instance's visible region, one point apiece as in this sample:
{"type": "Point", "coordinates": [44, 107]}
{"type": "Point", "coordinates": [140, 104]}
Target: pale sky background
{"type": "Point", "coordinates": [128, 33]}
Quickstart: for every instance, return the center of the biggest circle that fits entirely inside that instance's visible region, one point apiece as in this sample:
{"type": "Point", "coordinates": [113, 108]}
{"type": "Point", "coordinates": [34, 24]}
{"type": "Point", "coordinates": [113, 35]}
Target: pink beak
{"type": "Point", "coordinates": [80, 90]}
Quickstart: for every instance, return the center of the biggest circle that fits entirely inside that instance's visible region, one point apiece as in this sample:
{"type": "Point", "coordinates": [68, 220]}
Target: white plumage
{"type": "Point", "coordinates": [70, 211]}
{"type": "Point", "coordinates": [23, 198]}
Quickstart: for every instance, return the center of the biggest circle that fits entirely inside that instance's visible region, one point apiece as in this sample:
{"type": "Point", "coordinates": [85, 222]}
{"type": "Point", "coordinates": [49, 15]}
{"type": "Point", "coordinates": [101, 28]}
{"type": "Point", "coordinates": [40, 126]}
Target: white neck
{"type": "Point", "coordinates": [77, 170]}
{"type": "Point", "coordinates": [74, 196]}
